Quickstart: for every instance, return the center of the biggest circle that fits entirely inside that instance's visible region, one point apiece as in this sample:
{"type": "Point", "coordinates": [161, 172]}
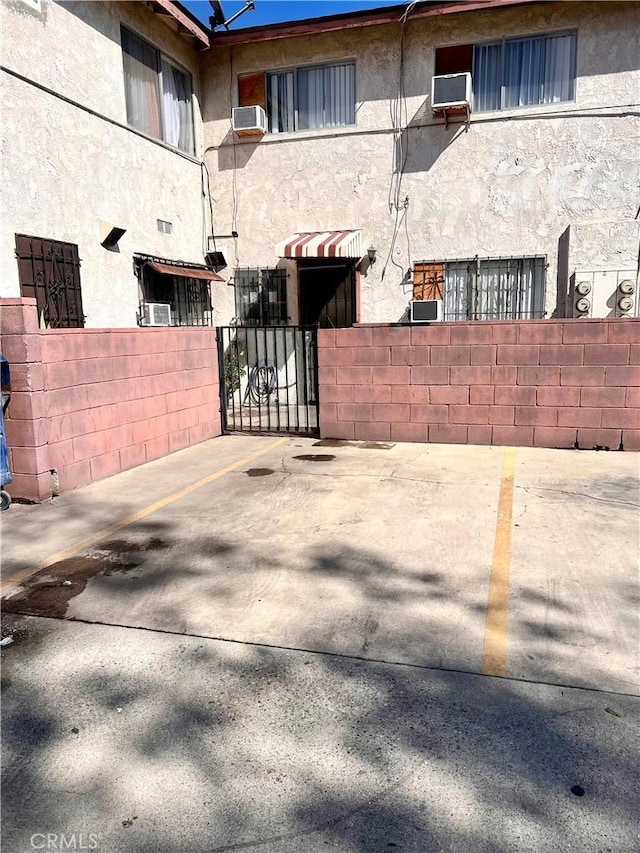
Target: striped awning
{"type": "Point", "coordinates": [321, 244]}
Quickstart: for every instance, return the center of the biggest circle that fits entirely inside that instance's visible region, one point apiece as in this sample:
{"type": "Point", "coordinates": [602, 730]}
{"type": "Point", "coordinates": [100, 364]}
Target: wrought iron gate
{"type": "Point", "coordinates": [268, 379]}
{"type": "Point", "coordinates": [50, 271]}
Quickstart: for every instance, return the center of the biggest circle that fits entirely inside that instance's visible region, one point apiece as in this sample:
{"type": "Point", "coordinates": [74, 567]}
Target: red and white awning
{"type": "Point", "coordinates": [321, 244]}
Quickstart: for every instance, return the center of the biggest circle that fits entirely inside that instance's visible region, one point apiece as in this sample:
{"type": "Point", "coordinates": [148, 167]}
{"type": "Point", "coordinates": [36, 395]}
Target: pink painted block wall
{"type": "Point", "coordinates": [544, 383]}
{"type": "Point", "coordinates": [88, 403]}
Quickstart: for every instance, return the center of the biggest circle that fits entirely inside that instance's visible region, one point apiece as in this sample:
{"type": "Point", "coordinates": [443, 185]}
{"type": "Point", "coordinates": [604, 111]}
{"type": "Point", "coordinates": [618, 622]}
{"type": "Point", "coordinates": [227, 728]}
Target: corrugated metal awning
{"type": "Point", "coordinates": [321, 244]}
{"type": "Point", "coordinates": [184, 272]}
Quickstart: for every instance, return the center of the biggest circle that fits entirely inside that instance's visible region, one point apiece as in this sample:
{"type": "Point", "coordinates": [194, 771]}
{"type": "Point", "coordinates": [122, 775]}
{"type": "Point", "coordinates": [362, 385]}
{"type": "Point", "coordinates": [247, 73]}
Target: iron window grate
{"type": "Point", "coordinates": [500, 288]}
{"type": "Point", "coordinates": [261, 296]}
{"type": "Point", "coordinates": [189, 298]}
{"type": "Point", "coordinates": [49, 270]}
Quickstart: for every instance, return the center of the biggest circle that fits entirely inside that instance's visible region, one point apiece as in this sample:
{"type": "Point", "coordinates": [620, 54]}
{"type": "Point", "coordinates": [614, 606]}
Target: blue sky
{"type": "Point", "coordinates": [273, 11]}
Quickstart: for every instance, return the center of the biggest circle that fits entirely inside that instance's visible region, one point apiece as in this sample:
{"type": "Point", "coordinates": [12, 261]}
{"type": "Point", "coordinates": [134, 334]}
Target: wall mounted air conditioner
{"type": "Point", "coordinates": [425, 310]}
{"type": "Point", "coordinates": [450, 90]}
{"type": "Point", "coordinates": [156, 314]}
{"type": "Point", "coordinates": [249, 121]}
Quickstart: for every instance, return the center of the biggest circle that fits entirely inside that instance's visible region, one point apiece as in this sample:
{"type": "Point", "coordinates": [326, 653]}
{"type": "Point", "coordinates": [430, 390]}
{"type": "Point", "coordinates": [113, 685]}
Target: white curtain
{"type": "Point", "coordinates": [176, 107]}
{"type": "Point", "coordinates": [522, 72]}
{"type": "Point", "coordinates": [170, 105]}
{"type": "Point", "coordinates": [310, 98]}
{"type": "Point", "coordinates": [559, 69]}
{"type": "Point", "coordinates": [487, 77]}
{"type": "Point", "coordinates": [495, 289]}
{"type": "Point", "coordinates": [340, 95]}
{"type": "Point", "coordinates": [457, 288]}
{"type": "Point", "coordinates": [324, 96]}
{"type": "Point", "coordinates": [141, 85]}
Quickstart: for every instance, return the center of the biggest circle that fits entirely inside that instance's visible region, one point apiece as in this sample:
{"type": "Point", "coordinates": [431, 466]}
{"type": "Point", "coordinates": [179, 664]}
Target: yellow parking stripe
{"type": "Point", "coordinates": [131, 519]}
{"type": "Point", "coordinates": [494, 656]}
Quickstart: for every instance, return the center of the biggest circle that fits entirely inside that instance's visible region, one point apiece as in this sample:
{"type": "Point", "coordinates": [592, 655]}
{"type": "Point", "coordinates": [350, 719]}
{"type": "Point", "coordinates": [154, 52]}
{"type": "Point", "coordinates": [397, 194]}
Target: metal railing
{"type": "Point", "coordinates": [269, 379]}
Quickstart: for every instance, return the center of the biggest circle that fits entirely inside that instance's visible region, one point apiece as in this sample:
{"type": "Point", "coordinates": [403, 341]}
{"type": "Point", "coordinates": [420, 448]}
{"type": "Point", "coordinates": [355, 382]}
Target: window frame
{"type": "Point", "coordinates": [295, 69]}
{"type": "Point", "coordinates": [160, 55]}
{"type": "Point", "coordinates": [538, 263]}
{"type": "Point", "coordinates": [264, 276]}
{"type": "Point", "coordinates": [192, 304]}
{"type": "Point", "coordinates": [190, 299]}
{"type": "Point", "coordinates": [572, 31]}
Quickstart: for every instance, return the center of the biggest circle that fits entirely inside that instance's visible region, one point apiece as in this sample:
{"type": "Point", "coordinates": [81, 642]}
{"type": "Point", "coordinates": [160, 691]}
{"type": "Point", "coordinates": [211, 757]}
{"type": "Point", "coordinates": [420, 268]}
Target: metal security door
{"type": "Point", "coordinates": [269, 379]}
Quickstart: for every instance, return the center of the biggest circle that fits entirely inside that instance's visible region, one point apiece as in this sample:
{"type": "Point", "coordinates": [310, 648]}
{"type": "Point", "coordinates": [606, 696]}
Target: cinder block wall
{"type": "Point", "coordinates": [87, 403]}
{"type": "Point", "coordinates": [556, 383]}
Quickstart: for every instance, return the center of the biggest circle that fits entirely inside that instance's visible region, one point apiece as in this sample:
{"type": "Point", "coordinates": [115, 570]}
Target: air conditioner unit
{"type": "Point", "coordinates": [156, 314]}
{"type": "Point", "coordinates": [249, 121]}
{"type": "Point", "coordinates": [426, 310]}
{"type": "Point", "coordinates": [450, 90]}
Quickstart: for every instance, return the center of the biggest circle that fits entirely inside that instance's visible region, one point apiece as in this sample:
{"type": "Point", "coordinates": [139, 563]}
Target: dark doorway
{"type": "Point", "coordinates": [327, 293]}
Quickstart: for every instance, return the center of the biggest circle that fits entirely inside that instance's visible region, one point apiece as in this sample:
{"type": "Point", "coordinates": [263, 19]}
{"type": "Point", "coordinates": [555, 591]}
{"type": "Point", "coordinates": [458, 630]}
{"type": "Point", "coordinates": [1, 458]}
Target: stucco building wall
{"type": "Point", "coordinates": [510, 184]}
{"type": "Point", "coordinates": [70, 167]}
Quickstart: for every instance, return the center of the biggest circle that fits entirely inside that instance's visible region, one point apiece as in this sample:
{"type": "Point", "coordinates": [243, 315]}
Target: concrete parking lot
{"type": "Point", "coordinates": [289, 645]}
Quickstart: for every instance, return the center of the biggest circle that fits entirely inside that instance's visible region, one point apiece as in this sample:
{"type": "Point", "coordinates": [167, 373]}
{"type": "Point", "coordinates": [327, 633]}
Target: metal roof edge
{"type": "Point", "coordinates": [362, 18]}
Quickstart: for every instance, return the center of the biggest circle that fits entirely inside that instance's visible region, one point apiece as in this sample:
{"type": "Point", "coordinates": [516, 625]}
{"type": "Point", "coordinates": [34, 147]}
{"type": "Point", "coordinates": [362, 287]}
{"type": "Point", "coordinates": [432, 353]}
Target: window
{"type": "Point", "coordinates": [189, 298]}
{"type": "Point", "coordinates": [303, 98]}
{"type": "Point", "coordinates": [515, 72]}
{"type": "Point", "coordinates": [49, 271]}
{"type": "Point", "coordinates": [158, 94]}
{"type": "Point", "coordinates": [261, 296]}
{"type": "Point", "coordinates": [484, 289]}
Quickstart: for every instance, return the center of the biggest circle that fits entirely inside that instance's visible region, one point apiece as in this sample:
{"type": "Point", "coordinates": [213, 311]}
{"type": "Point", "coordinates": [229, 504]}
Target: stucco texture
{"type": "Point", "coordinates": [509, 184]}
{"type": "Point", "coordinates": [66, 171]}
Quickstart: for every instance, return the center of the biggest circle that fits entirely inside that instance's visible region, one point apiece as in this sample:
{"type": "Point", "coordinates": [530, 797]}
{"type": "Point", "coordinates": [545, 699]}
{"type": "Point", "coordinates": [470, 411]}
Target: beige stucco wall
{"type": "Point", "coordinates": [67, 170]}
{"type": "Point", "coordinates": [510, 184]}
{"type": "Point", "coordinates": [74, 47]}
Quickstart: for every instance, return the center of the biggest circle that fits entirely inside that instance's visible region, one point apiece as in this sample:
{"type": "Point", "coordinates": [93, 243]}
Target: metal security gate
{"type": "Point", "coordinates": [269, 379]}
{"type": "Point", "coordinates": [49, 270]}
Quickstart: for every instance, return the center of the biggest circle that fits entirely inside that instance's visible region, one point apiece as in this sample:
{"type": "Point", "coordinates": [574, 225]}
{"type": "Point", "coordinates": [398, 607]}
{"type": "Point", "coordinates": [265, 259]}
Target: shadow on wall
{"type": "Point", "coordinates": [422, 143]}
{"type": "Point", "coordinates": [562, 279]}
{"type": "Point", "coordinates": [234, 153]}
{"type": "Point", "coordinates": [418, 147]}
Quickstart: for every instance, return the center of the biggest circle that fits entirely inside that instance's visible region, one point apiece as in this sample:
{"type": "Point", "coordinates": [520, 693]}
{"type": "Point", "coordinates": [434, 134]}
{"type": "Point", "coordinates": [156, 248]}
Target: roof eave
{"type": "Point", "coordinates": [350, 20]}
{"type": "Point", "coordinates": [187, 23]}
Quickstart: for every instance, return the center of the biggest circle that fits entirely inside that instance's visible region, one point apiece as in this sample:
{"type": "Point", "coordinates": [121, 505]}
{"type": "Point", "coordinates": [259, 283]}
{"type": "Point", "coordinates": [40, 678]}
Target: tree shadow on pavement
{"type": "Point", "coordinates": [159, 742]}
